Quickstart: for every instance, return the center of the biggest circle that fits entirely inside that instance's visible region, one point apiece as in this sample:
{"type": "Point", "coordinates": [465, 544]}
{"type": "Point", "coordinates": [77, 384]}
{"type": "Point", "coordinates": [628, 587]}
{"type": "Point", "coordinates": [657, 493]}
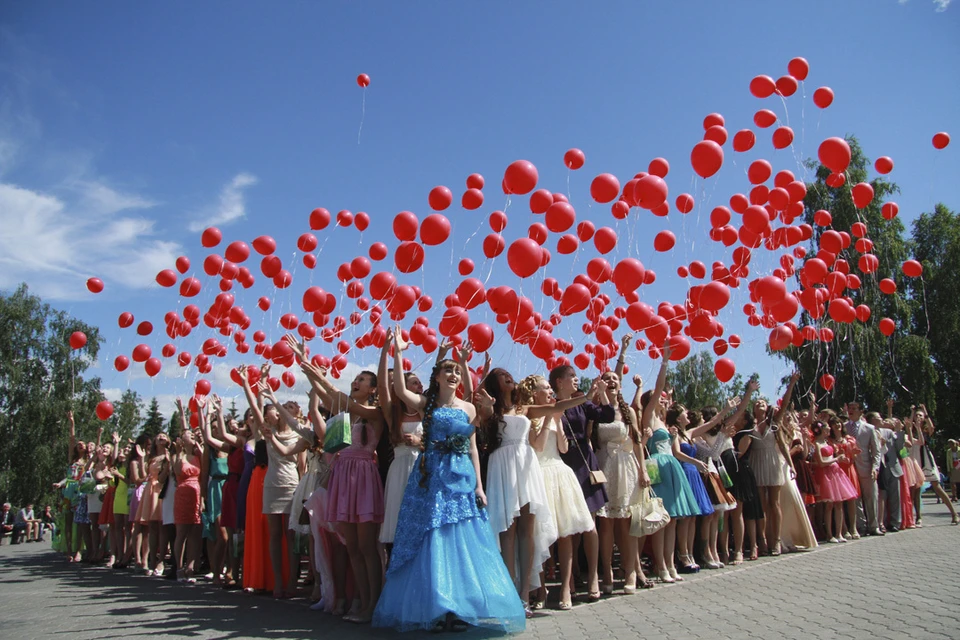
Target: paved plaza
{"type": "Point", "coordinates": [905, 585]}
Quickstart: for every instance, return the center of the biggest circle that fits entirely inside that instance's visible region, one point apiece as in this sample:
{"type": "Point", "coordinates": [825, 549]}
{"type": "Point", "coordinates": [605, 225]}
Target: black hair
{"type": "Point", "coordinates": [489, 435]}
{"type": "Point", "coordinates": [431, 404]}
{"type": "Point", "coordinates": [558, 372]}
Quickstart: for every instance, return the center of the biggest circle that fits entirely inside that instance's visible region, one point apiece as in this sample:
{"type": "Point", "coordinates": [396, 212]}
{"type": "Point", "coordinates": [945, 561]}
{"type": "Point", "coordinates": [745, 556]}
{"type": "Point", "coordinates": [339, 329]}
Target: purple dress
{"type": "Point", "coordinates": [580, 456]}
{"type": "Point", "coordinates": [248, 465]}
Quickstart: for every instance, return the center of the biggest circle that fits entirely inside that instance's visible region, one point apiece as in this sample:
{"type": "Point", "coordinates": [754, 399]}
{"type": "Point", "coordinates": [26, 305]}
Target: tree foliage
{"type": "Point", "coordinates": [126, 414]}
{"type": "Point", "coordinates": [867, 366]}
{"type": "Point", "coordinates": [696, 386]}
{"type": "Point", "coordinates": [40, 380]}
{"type": "Point", "coordinates": [154, 422]}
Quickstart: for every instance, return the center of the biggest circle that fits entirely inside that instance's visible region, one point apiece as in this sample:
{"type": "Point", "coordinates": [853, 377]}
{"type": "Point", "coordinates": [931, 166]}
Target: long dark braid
{"type": "Point", "coordinates": [431, 396]}
{"type": "Point", "coordinates": [490, 434]}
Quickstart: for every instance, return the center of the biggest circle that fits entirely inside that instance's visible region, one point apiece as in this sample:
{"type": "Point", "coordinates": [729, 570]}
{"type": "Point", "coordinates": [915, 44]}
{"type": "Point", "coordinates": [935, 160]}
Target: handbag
{"type": "Point", "coordinates": [596, 477]}
{"type": "Point", "coordinates": [903, 453]}
{"type": "Point", "coordinates": [724, 475]}
{"type": "Point", "coordinates": [338, 435]}
{"type": "Point", "coordinates": [649, 515]}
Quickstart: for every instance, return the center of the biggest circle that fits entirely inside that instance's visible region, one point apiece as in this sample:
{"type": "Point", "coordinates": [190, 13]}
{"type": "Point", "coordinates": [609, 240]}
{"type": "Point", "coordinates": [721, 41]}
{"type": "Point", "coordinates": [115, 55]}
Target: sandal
{"type": "Point", "coordinates": [775, 549]}
{"type": "Point", "coordinates": [737, 558]}
{"type": "Point", "coordinates": [645, 584]}
{"type": "Point", "coordinates": [665, 577]}
{"type": "Point", "coordinates": [676, 577]}
{"type": "Point", "coordinates": [594, 596]}
{"type": "Point", "coordinates": [753, 555]}
{"type": "Point", "coordinates": [541, 600]}
{"type": "Point", "coordinates": [564, 605]}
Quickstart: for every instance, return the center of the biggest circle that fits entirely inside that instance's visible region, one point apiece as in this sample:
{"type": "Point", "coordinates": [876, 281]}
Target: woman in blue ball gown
{"type": "Point", "coordinates": [445, 571]}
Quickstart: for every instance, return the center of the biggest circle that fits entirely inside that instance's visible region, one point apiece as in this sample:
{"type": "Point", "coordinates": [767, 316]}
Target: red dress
{"type": "Point", "coordinates": [186, 503]}
{"type": "Point", "coordinates": [231, 489]}
{"type": "Point", "coordinates": [834, 484]}
{"type": "Point", "coordinates": [850, 450]}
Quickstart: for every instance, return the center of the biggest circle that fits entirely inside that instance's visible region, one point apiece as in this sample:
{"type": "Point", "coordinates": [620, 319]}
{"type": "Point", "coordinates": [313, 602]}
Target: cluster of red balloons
{"type": "Point", "coordinates": [767, 215]}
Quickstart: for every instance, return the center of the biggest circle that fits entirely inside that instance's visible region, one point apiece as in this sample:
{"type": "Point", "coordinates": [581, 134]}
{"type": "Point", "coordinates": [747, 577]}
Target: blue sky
{"type": "Point", "coordinates": [124, 128]}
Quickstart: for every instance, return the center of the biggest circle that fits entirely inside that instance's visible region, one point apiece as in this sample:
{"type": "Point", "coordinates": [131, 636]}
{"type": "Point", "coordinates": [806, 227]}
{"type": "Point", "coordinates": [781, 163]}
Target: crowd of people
{"type": "Point", "coordinates": [444, 506]}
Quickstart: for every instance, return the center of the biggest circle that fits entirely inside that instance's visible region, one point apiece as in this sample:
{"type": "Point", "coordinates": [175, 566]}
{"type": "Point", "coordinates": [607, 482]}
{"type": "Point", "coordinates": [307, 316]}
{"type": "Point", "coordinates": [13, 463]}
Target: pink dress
{"type": "Point", "coordinates": [355, 491]}
{"type": "Point", "coordinates": [186, 502]}
{"type": "Point", "coordinates": [834, 484]}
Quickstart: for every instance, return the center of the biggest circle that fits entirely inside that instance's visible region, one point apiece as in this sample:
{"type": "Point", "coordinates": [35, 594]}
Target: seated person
{"type": "Point", "coordinates": [27, 523]}
{"type": "Point", "coordinates": [6, 522]}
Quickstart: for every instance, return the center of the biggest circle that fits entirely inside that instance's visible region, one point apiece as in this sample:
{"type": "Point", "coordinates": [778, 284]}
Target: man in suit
{"type": "Point", "coordinates": [888, 481]}
{"type": "Point", "coordinates": [867, 463]}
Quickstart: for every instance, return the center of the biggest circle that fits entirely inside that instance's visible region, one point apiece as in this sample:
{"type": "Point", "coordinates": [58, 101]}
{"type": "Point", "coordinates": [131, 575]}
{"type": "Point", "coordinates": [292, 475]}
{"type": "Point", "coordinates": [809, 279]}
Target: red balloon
{"type": "Point", "coordinates": [759, 171]}
{"type": "Point", "coordinates": [575, 299]}
{"type": "Point", "coordinates": [658, 167]}
{"type": "Point", "coordinates": [650, 191]}
{"type": "Point", "coordinates": [307, 242]}
{"type": "Point", "coordinates": [664, 241]}
{"type": "Point", "coordinates": [714, 296]}
{"type": "Point", "coordinates": [152, 367]}
{"type": "Point", "coordinates": [912, 269]}
{"type": "Point", "coordinates": [183, 264]}
{"type": "Point", "coordinates": [684, 203]}
{"type": "Point", "coordinates": [361, 221]}
{"type": "Point", "coordinates": [605, 239]}
{"type": "Point", "coordinates": [480, 336]}
{"type": "Point", "coordinates": [762, 86]}
{"type": "Point", "coordinates": [827, 381]}
{"type": "Point", "coordinates": [378, 250]}
{"type": "Point", "coordinates": [834, 154]}
{"type": "Point", "coordinates": [264, 245]}
{"type": "Point", "coordinates": [475, 181]}
{"type": "Point", "coordinates": [712, 120]}
{"type": "Point", "coordinates": [190, 287]}
{"type": "Point", "coordinates": [493, 245]}
{"type": "Point", "coordinates": [567, 244]}
{"type": "Point", "coordinates": [125, 320]}
{"type": "Point", "coordinates": [78, 339]}
{"type": "Point", "coordinates": [887, 327]}
{"type": "Point", "coordinates": [440, 198]}
{"type": "Point", "coordinates": [95, 285]}
{"type": "Point", "coordinates": [144, 328]}
{"type": "Point", "coordinates": [121, 363]}
{"type": "Point", "coordinates": [717, 134]}
{"type": "Point", "coordinates": [104, 410]}
{"type": "Point", "coordinates": [408, 257]}
{"type": "Point", "coordinates": [941, 140]}
{"type": "Point", "coordinates": [237, 252]}
{"type": "Point", "coordinates": [782, 137]}
{"type": "Point", "coordinates": [283, 279]}
{"type": "Point", "coordinates": [764, 118]}
{"type": "Point", "coordinates": [435, 229]}
{"type": "Point", "coordinates": [521, 177]}
{"type": "Point", "coordinates": [883, 165]}
{"type": "Point", "coordinates": [319, 219]}
{"type": "Point", "coordinates": [344, 218]}
{"type": "Point", "coordinates": [823, 97]}
{"type": "Point", "coordinates": [573, 159]}
{"type": "Point", "coordinates": [706, 158]}
{"type": "Point", "coordinates": [798, 68]}
{"type": "Point", "coordinates": [363, 80]}
{"type": "Point", "coordinates": [724, 369]}
{"type": "Point", "coordinates": [211, 237]}
{"type": "Point", "coordinates": [472, 199]}
{"type": "Point", "coordinates": [382, 285]}
{"type": "Point", "coordinates": [560, 217]}
{"type": "Point", "coordinates": [405, 226]}
{"type": "Point", "coordinates": [605, 188]}
{"type": "Point", "coordinates": [786, 86]}
{"type": "Point", "coordinates": [862, 195]}
{"type": "Point", "coordinates": [744, 140]}
{"type": "Point", "coordinates": [524, 257]}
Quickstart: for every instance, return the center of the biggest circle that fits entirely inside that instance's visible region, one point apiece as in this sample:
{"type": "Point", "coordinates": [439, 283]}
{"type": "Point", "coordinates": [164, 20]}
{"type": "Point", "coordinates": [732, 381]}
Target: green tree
{"type": "Point", "coordinates": [126, 415]}
{"type": "Point", "coordinates": [936, 244]}
{"type": "Point", "coordinates": [693, 382]}
{"type": "Point", "coordinates": [174, 427]}
{"type": "Point", "coordinates": [40, 380]}
{"type": "Point", "coordinates": [867, 366]}
{"type": "Point", "coordinates": [154, 422]}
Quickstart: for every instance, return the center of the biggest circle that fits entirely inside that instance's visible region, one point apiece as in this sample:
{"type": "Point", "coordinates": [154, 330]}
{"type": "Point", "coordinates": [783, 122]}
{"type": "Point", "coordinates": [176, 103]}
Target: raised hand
{"type": "Point", "coordinates": [625, 341]}
{"type": "Point", "coordinates": [299, 348]}
{"type": "Point", "coordinates": [732, 403]}
{"type": "Point", "coordinates": [402, 344]}
{"type": "Point", "coordinates": [753, 385]}
{"type": "Point", "coordinates": [115, 437]}
{"type": "Point", "coordinates": [794, 377]}
{"type": "Point", "coordinates": [484, 399]}
{"type": "Point", "coordinates": [637, 380]}
{"type": "Point", "coordinates": [443, 349]}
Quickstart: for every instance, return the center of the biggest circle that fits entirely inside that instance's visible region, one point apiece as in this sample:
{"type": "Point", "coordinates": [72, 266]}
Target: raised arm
{"type": "Point", "coordinates": [219, 445]}
{"type": "Point", "coordinates": [384, 396]}
{"type": "Point", "coordinates": [635, 403]}
{"type": "Point", "coordinates": [288, 450]}
{"type": "Point", "coordinates": [462, 356]}
{"type": "Point", "coordinates": [625, 342]}
{"type": "Point", "coordinates": [292, 422]}
{"type": "Point", "coordinates": [646, 418]}
{"type": "Point", "coordinates": [251, 400]}
{"type": "Point", "coordinates": [184, 425]}
{"type": "Point", "coordinates": [73, 438]}
{"type": "Point", "coordinates": [316, 418]}
{"type": "Point", "coordinates": [697, 432]}
{"type": "Point", "coordinates": [785, 402]}
{"type": "Point", "coordinates": [752, 386]}
{"type": "Point", "coordinates": [400, 390]}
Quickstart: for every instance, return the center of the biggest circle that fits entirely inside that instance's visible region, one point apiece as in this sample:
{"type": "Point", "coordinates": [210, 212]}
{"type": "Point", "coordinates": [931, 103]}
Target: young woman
{"type": "Point", "coordinates": [720, 498]}
{"type": "Point", "coordinates": [150, 511]}
{"type": "Point", "coordinates": [796, 532]}
{"type": "Point", "coordinates": [187, 505]}
{"type": "Point", "coordinates": [87, 487]}
{"type": "Point", "coordinates": [737, 462]}
{"type": "Point", "coordinates": [445, 570]}
{"type": "Point", "coordinates": [768, 452]}
{"type": "Point", "coordinates": [581, 458]}
{"type": "Point", "coordinates": [519, 506]}
{"type": "Point", "coordinates": [76, 464]}
{"type": "Point", "coordinates": [623, 461]}
{"type": "Point", "coordinates": [673, 488]}
{"type": "Point", "coordinates": [355, 491]}
{"type": "Point", "coordinates": [835, 486]}
{"type": "Point", "coordinates": [677, 421]}
{"type": "Point", "coordinates": [923, 428]}
{"type": "Point", "coordinates": [279, 482]}
{"type": "Point", "coordinates": [111, 476]}
{"type": "Point", "coordinates": [213, 476]}
{"type": "Point", "coordinates": [136, 534]}
{"type": "Point", "coordinates": [568, 509]}
{"type": "Point", "coordinates": [848, 445]}
{"type": "Point", "coordinates": [405, 425]}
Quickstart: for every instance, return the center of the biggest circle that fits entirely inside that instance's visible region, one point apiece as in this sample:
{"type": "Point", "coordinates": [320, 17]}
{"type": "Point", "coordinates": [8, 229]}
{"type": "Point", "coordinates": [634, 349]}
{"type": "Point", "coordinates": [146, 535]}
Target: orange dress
{"type": "Point", "coordinates": [150, 504]}
{"type": "Point", "coordinates": [257, 568]}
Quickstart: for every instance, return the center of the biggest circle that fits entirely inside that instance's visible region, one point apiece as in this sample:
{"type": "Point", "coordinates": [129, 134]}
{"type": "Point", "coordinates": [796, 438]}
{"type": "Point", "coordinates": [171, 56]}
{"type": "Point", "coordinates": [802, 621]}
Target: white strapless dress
{"type": "Point", "coordinates": [514, 479]}
{"type": "Point", "coordinates": [404, 461]}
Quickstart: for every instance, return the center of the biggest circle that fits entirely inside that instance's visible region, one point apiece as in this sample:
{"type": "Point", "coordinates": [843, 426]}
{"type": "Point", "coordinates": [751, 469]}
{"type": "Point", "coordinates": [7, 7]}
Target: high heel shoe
{"type": "Point", "coordinates": [673, 574]}
{"type": "Point", "coordinates": [607, 589]}
{"type": "Point", "coordinates": [665, 577]}
{"type": "Point", "coordinates": [541, 600]}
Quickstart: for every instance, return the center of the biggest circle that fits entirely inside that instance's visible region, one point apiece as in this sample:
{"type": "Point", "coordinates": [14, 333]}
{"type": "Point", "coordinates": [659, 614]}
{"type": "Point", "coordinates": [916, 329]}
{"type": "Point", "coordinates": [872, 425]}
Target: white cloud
{"type": "Point", "coordinates": [941, 5]}
{"type": "Point", "coordinates": [54, 243]}
{"type": "Point", "coordinates": [232, 205]}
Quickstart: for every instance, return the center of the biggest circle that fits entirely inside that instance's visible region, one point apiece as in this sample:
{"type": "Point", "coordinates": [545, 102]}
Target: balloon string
{"type": "Point", "coordinates": [363, 112]}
